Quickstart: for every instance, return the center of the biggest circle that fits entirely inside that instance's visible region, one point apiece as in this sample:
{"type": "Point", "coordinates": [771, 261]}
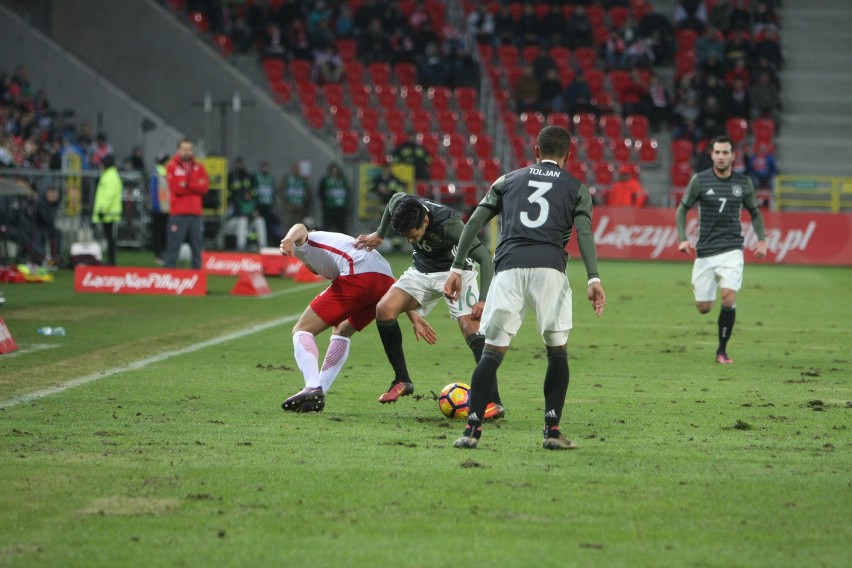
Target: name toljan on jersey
{"type": "Point", "coordinates": [545, 173]}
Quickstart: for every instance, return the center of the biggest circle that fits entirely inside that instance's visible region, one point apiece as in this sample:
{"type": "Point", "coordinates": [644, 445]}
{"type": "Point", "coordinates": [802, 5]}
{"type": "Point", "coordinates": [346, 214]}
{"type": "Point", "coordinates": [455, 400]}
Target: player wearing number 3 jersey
{"type": "Point", "coordinates": [433, 231]}
{"type": "Point", "coordinates": [538, 205]}
{"type": "Point", "coordinates": [720, 195]}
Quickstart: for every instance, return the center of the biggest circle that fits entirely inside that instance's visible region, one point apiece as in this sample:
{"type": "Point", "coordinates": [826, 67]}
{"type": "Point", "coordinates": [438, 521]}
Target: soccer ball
{"type": "Point", "coordinates": [454, 400]}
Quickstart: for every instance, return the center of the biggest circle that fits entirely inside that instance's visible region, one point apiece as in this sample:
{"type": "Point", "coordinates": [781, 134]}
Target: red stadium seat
{"type": "Point", "coordinates": [456, 145]}
{"type": "Point", "coordinates": [621, 150]}
{"type": "Point", "coordinates": [682, 151]}
{"type": "Point", "coordinates": [532, 122]}
{"type": "Point", "coordinates": [508, 56]}
{"type": "Point", "coordinates": [680, 175]}
{"type": "Point", "coordinates": [387, 95]}
{"type": "Point", "coordinates": [610, 125]}
{"type": "Point", "coordinates": [562, 119]}
{"type": "Point", "coordinates": [585, 125]}
{"type": "Point", "coordinates": [764, 131]}
{"type": "Point", "coordinates": [380, 72]}
{"type": "Point", "coordinates": [474, 122]}
{"type": "Point", "coordinates": [490, 169]}
{"type": "Point", "coordinates": [421, 121]}
{"type": "Point", "coordinates": [348, 50]}
{"type": "Point", "coordinates": [464, 169]}
{"type": "Point", "coordinates": [594, 148]}
{"type": "Point", "coordinates": [431, 142]}
{"type": "Point", "coordinates": [647, 150]}
{"type": "Point", "coordinates": [577, 169]}
{"type": "Point", "coordinates": [736, 129]}
{"type": "Point", "coordinates": [332, 93]}
{"type": "Point", "coordinates": [585, 58]}
{"type": "Point", "coordinates": [361, 96]}
{"type": "Point", "coordinates": [341, 117]}
{"type": "Point", "coordinates": [406, 73]}
{"type": "Point", "coordinates": [274, 69]}
{"type": "Point", "coordinates": [349, 142]}
{"type": "Point", "coordinates": [483, 146]}
{"type": "Point", "coordinates": [467, 99]}
{"type": "Point", "coordinates": [300, 70]}
{"type": "Point", "coordinates": [604, 173]}
{"type": "Point", "coordinates": [369, 119]}
{"type": "Point", "coordinates": [376, 143]}
{"type": "Point", "coordinates": [438, 168]}
{"type": "Point", "coordinates": [224, 44]}
{"type": "Point", "coordinates": [448, 121]}
{"type": "Point", "coordinates": [637, 125]}
{"type": "Point", "coordinates": [440, 97]}
{"type": "Point", "coordinates": [315, 116]}
{"type": "Point", "coordinates": [395, 119]}
{"type": "Point", "coordinates": [412, 97]}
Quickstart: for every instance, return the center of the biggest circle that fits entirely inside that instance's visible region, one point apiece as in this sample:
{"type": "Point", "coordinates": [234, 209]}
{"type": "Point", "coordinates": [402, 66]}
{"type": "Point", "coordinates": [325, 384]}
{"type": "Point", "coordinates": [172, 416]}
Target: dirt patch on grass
{"type": "Point", "coordinates": [129, 506]}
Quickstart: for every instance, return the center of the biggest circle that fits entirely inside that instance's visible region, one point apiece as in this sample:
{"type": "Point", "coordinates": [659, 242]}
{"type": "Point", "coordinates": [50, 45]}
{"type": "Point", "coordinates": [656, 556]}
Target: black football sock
{"type": "Point", "coordinates": [476, 342]}
{"type": "Point", "coordinates": [555, 388]}
{"type": "Point", "coordinates": [727, 317]}
{"type": "Point", "coordinates": [473, 430]}
{"type": "Point", "coordinates": [482, 383]}
{"type": "Point", "coordinates": [391, 336]}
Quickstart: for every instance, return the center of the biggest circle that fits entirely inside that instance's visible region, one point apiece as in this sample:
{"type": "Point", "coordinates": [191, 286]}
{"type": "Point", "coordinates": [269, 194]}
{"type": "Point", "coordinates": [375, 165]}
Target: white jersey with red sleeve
{"type": "Point", "coordinates": [334, 254]}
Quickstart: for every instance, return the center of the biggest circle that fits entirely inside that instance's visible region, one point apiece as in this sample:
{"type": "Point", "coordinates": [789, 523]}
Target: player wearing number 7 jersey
{"type": "Point", "coordinates": [720, 194]}
{"type": "Point", "coordinates": [433, 231]}
{"type": "Point", "coordinates": [538, 206]}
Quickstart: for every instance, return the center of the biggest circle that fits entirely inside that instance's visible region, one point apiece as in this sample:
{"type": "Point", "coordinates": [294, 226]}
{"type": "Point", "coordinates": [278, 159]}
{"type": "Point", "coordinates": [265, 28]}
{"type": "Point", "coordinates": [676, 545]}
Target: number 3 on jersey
{"type": "Point", "coordinates": [537, 198]}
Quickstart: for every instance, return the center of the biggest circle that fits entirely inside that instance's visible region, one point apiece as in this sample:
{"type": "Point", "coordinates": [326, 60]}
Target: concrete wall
{"type": "Point", "coordinates": [146, 51]}
{"type": "Point", "coordinates": [70, 83]}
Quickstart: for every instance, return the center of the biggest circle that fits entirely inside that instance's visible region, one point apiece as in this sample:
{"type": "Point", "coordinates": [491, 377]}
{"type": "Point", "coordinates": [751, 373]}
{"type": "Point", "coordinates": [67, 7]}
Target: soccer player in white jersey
{"type": "Point", "coordinates": [359, 279]}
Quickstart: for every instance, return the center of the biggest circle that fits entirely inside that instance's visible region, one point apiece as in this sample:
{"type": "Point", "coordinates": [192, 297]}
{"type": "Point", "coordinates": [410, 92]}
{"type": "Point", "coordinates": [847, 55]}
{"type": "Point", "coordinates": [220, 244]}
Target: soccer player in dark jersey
{"type": "Point", "coordinates": [538, 206]}
{"type": "Point", "coordinates": [433, 231]}
{"type": "Point", "coordinates": [720, 194]}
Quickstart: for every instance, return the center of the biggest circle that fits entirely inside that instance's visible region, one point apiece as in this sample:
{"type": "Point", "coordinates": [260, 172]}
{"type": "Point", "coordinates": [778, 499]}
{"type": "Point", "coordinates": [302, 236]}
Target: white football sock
{"type": "Point", "coordinates": [335, 357]}
{"type": "Point", "coordinates": [307, 357]}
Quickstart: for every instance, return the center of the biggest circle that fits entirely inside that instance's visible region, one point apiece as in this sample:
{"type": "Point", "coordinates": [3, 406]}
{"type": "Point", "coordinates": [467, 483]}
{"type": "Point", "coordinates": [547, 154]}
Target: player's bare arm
{"type": "Point", "coordinates": [686, 247]}
{"type": "Point", "coordinates": [296, 236]}
{"type": "Point", "coordinates": [476, 310]}
{"type": "Point", "coordinates": [759, 249]}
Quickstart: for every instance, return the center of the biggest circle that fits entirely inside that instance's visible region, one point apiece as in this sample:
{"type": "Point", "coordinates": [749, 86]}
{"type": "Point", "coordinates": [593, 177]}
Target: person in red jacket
{"type": "Point", "coordinates": [188, 183]}
{"type": "Point", "coordinates": [627, 191]}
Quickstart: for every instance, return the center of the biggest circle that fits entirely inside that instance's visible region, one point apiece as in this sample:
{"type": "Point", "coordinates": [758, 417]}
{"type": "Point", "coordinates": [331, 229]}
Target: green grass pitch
{"type": "Point", "coordinates": [175, 451]}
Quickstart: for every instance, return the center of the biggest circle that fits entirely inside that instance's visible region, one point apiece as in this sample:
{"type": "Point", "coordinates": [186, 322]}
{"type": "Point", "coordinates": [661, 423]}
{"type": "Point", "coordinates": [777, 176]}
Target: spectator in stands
{"type": "Point", "coordinates": [711, 119]}
{"type": "Point", "coordinates": [409, 151]}
{"type": "Point", "coordinates": [551, 97]}
{"type": "Point", "coordinates": [762, 167]}
{"type": "Point", "coordinates": [738, 102]}
{"type": "Point", "coordinates": [298, 42]}
{"type": "Point", "coordinates": [691, 14]}
{"type": "Point", "coordinates": [659, 30]}
{"type": "Point", "coordinates": [764, 18]}
{"type": "Point", "coordinates": [432, 69]}
{"type": "Point", "coordinates": [463, 70]}
{"type": "Point", "coordinates": [107, 208]}
{"type": "Point", "coordinates": [739, 18]}
{"type": "Point", "coordinates": [526, 92]}
{"type": "Point", "coordinates": [660, 107]}
{"type": "Point", "coordinates": [710, 42]}
{"type": "Point", "coordinates": [344, 22]}
{"type": "Point", "coordinates": [385, 184]}
{"type": "Point", "coordinates": [578, 95]}
{"type": "Point", "coordinates": [766, 102]}
{"type": "Point", "coordinates": [297, 196]}
{"type": "Point", "coordinates": [738, 47]}
{"type": "Point", "coordinates": [335, 198]}
{"type": "Point", "coordinates": [627, 191]}
{"type": "Point", "coordinates": [273, 41]}
{"type": "Point", "coordinates": [159, 199]}
{"type": "Point", "coordinates": [481, 25]}
{"type": "Point", "coordinates": [401, 47]}
{"type": "Point", "coordinates": [528, 28]}
{"type": "Point", "coordinates": [713, 86]}
{"type": "Point", "coordinates": [686, 117]}
{"type": "Point", "coordinates": [266, 203]}
{"type": "Point", "coordinates": [102, 149]}
{"type": "Point", "coordinates": [243, 213]}
{"type": "Point", "coordinates": [615, 50]}
{"type": "Point", "coordinates": [136, 160]}
{"type": "Point", "coordinates": [328, 65]}
{"type": "Point", "coordinates": [504, 26]}
{"type": "Point", "coordinates": [188, 183]}
{"type": "Point", "coordinates": [553, 27]}
{"type": "Point", "coordinates": [634, 95]}
{"type": "Point", "coordinates": [373, 43]}
{"type": "Point", "coordinates": [579, 31]}
{"type": "Point", "coordinates": [768, 47]}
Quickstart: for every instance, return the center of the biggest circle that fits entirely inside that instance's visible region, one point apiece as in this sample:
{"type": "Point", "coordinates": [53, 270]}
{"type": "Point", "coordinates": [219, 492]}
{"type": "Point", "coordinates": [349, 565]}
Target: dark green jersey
{"type": "Point", "coordinates": [720, 203]}
{"type": "Point", "coordinates": [435, 253]}
{"type": "Point", "coordinates": [334, 192]}
{"type": "Point", "coordinates": [539, 205]}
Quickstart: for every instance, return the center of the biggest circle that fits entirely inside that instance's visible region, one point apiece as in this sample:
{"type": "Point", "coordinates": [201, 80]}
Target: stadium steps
{"type": "Point", "coordinates": [817, 117]}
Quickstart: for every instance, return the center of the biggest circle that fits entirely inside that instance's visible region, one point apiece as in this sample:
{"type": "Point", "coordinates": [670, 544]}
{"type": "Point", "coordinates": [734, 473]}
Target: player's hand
{"type": "Point", "coordinates": [476, 311]}
{"type": "Point", "coordinates": [368, 242]}
{"type": "Point", "coordinates": [424, 330]}
{"type": "Point", "coordinates": [686, 247]}
{"type": "Point", "coordinates": [452, 286]}
{"type": "Point", "coordinates": [759, 249]}
{"type": "Point", "coordinates": [597, 297]}
{"type": "Point", "coordinates": [286, 246]}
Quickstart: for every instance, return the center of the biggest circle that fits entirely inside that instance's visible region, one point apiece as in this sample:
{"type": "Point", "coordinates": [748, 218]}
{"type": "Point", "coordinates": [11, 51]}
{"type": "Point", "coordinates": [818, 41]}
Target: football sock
{"type": "Point", "coordinates": [482, 383]}
{"type": "Point", "coordinates": [727, 317]}
{"type": "Point", "coordinates": [551, 431]}
{"type": "Point", "coordinates": [555, 385]}
{"type": "Point", "coordinates": [391, 336]}
{"type": "Point", "coordinates": [473, 430]}
{"type": "Point", "coordinates": [476, 342]}
{"type": "Point", "coordinates": [335, 357]}
{"type": "Point", "coordinates": [307, 357]}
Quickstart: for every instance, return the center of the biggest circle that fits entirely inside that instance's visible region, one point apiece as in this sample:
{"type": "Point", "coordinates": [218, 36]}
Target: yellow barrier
{"type": "Point", "coordinates": [831, 194]}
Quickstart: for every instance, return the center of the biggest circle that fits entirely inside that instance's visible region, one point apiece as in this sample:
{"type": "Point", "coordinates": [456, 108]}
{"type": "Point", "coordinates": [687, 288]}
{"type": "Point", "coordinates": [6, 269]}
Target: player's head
{"type": "Point", "coordinates": [722, 154]}
{"type": "Point", "coordinates": [410, 219]}
{"type": "Point", "coordinates": [553, 143]}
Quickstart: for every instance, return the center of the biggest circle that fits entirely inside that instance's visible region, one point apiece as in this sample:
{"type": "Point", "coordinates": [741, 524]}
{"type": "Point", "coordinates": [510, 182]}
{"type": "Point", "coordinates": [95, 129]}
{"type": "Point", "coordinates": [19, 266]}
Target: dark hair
{"type": "Point", "coordinates": [553, 142]}
{"type": "Point", "coordinates": [182, 140]}
{"type": "Point", "coordinates": [108, 161]}
{"type": "Point", "coordinates": [723, 139]}
{"type": "Point", "coordinates": [408, 214]}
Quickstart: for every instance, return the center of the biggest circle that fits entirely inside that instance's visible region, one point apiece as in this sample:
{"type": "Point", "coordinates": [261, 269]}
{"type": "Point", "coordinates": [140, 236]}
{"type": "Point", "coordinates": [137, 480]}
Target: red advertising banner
{"type": "Point", "coordinates": [230, 263]}
{"type": "Point", "coordinates": [791, 238]}
{"type": "Point", "coordinates": [128, 280]}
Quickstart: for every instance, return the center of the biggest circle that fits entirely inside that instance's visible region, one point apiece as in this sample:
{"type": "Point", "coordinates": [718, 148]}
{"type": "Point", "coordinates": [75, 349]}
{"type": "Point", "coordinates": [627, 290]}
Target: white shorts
{"type": "Point", "coordinates": [723, 270]}
{"type": "Point", "coordinates": [428, 290]}
{"type": "Point", "coordinates": [544, 290]}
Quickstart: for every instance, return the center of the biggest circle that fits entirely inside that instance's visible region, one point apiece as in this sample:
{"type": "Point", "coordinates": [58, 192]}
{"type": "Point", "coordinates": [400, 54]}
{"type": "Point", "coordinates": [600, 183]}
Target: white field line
{"type": "Point", "coordinates": [31, 348]}
{"type": "Point", "coordinates": [136, 365]}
